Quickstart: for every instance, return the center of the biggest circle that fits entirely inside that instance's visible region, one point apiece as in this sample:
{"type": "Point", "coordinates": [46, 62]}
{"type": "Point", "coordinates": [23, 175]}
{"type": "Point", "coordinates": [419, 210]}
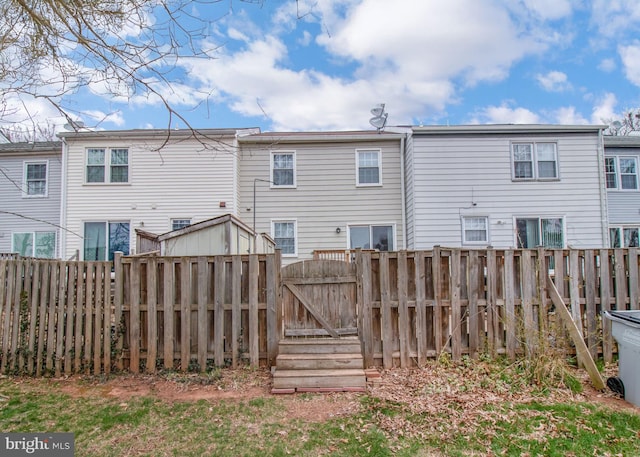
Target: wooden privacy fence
{"type": "Point", "coordinates": [188, 312]}
{"type": "Point", "coordinates": [55, 317]}
{"type": "Point", "coordinates": [418, 305]}
{"type": "Point", "coordinates": [147, 313]}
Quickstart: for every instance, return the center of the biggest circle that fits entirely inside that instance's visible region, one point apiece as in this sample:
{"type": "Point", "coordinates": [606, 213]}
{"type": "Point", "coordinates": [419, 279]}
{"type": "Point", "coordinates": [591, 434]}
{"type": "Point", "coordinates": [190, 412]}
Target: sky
{"type": "Point", "coordinates": [311, 65]}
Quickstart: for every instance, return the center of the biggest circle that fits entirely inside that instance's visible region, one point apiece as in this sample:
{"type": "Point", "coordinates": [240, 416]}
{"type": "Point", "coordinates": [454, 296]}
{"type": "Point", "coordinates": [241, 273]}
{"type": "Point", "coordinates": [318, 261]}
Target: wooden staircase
{"type": "Point", "coordinates": [319, 365]}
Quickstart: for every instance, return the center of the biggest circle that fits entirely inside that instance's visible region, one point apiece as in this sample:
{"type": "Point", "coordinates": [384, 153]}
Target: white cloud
{"type": "Point", "coordinates": [100, 117]}
{"type": "Point", "coordinates": [614, 18]}
{"type": "Point", "coordinates": [505, 114]}
{"type": "Point", "coordinates": [306, 38]}
{"type": "Point", "coordinates": [568, 116]}
{"type": "Point", "coordinates": [550, 9]}
{"type": "Point", "coordinates": [605, 109]}
{"type": "Point", "coordinates": [415, 56]}
{"type": "Point", "coordinates": [554, 81]}
{"type": "Point", "coordinates": [630, 56]}
{"type": "Point", "coordinates": [425, 40]}
{"type": "Point", "coordinates": [607, 65]}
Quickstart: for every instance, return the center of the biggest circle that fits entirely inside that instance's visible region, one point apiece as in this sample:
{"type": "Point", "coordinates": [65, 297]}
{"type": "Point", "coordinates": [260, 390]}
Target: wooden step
{"type": "Point", "coordinates": [320, 346]}
{"type": "Point", "coordinates": [305, 379]}
{"type": "Point", "coordinates": [330, 361]}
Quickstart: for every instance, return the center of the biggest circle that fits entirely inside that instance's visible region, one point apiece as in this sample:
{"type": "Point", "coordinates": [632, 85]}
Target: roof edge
{"type": "Point", "coordinates": [504, 128]}
{"type": "Point", "coordinates": [159, 133]}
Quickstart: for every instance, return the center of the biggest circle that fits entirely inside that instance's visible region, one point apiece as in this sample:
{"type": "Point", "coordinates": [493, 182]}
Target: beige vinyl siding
{"type": "Point", "coordinates": [326, 196]}
{"type": "Point", "coordinates": [39, 214]}
{"type": "Point", "coordinates": [182, 180]}
{"type": "Point", "coordinates": [456, 176]}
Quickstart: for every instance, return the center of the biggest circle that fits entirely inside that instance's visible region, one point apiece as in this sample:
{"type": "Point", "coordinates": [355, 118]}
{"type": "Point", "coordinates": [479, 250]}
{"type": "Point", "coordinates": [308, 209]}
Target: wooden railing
{"type": "Point", "coordinates": [346, 255]}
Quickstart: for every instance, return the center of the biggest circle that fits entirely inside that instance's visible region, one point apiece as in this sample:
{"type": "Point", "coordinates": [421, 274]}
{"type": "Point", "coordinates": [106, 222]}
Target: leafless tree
{"type": "Point", "coordinates": [628, 124]}
{"type": "Point", "coordinates": [119, 48]}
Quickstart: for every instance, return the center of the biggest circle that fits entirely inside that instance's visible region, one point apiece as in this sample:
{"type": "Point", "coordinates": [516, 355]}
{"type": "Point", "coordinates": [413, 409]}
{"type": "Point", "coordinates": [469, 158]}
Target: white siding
{"type": "Point", "coordinates": [467, 175]}
{"type": "Point", "coordinates": [326, 196]}
{"type": "Point", "coordinates": [40, 214]}
{"type": "Point", "coordinates": [181, 180]}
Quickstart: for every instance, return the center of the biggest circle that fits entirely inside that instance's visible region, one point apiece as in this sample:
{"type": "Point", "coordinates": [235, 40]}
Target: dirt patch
{"type": "Point", "coordinates": [231, 385]}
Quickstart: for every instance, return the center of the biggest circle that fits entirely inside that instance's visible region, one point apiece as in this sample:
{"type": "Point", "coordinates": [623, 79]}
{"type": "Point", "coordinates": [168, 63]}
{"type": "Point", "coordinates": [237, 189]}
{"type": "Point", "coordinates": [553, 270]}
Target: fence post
{"type": "Point", "coordinates": [363, 269]}
{"type": "Point", "coordinates": [421, 307]}
{"type": "Point", "coordinates": [118, 298]}
{"type": "Point", "coordinates": [274, 306]}
{"type": "Point", "coordinates": [403, 309]}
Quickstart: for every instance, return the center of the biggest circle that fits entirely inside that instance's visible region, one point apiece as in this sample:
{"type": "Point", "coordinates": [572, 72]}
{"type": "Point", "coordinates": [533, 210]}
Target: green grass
{"type": "Point", "coordinates": [262, 426]}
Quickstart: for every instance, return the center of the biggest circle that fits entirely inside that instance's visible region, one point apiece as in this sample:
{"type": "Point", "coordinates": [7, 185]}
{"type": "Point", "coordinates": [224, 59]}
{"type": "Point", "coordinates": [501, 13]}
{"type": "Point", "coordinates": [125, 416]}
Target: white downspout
{"type": "Point", "coordinates": [403, 192]}
{"type": "Point", "coordinates": [63, 201]}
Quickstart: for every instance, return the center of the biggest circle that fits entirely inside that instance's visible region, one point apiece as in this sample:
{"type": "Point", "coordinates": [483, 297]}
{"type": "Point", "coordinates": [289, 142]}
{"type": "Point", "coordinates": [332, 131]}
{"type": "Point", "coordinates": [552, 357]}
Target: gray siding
{"type": "Point", "coordinates": [470, 175]}
{"type": "Point", "coordinates": [624, 205]}
{"type": "Point", "coordinates": [326, 196]}
{"type": "Point", "coordinates": [38, 214]}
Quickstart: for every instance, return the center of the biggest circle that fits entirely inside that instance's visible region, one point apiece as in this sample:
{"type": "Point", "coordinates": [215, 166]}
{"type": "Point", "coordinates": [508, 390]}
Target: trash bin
{"type": "Point", "coordinates": [625, 328]}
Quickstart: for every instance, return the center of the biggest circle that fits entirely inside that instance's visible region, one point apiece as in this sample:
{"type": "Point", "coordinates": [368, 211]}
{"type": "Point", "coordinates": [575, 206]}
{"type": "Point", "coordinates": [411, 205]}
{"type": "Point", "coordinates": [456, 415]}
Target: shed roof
{"type": "Point", "coordinates": [625, 141]}
{"type": "Point", "coordinates": [34, 147]}
{"type": "Point", "coordinates": [206, 224]}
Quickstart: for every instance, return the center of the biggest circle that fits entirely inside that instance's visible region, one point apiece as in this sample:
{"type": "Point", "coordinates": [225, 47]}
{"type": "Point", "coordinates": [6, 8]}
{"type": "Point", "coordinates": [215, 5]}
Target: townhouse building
{"type": "Point", "coordinates": [30, 185]}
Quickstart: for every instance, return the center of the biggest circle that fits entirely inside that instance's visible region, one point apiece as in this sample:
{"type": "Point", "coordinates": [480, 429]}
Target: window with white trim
{"type": "Point", "coordinates": [533, 161]}
{"type": "Point", "coordinates": [621, 173]}
{"type": "Point", "coordinates": [475, 230]}
{"type": "Point", "coordinates": [284, 234]}
{"type": "Point", "coordinates": [624, 237]}
{"type": "Point", "coordinates": [34, 244]}
{"type": "Point", "coordinates": [107, 166]}
{"type": "Point", "coordinates": [283, 169]}
{"type": "Point", "coordinates": [379, 237]}
{"type": "Point", "coordinates": [532, 232]}
{"type": "Point", "coordinates": [177, 224]}
{"type": "Point", "coordinates": [35, 179]}
{"type": "Point", "coordinates": [368, 167]}
{"type": "Point", "coordinates": [103, 239]}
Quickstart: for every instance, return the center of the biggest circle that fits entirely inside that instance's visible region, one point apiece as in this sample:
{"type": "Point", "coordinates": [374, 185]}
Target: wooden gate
{"type": "Point", "coordinates": [319, 299]}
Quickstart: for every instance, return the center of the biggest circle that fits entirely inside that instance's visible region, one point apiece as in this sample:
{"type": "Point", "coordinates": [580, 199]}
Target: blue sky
{"type": "Point", "coordinates": [323, 64]}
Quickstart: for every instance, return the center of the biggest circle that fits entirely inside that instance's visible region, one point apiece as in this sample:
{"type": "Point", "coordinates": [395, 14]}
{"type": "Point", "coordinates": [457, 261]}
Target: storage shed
{"type": "Point", "coordinates": [223, 235]}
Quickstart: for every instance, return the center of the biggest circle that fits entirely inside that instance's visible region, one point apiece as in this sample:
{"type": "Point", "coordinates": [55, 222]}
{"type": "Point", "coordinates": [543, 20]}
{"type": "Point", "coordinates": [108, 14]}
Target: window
{"type": "Point", "coordinates": [368, 168]}
{"type": "Point", "coordinates": [535, 161]}
{"type": "Point", "coordinates": [177, 224]}
{"type": "Point", "coordinates": [112, 167]}
{"type": "Point", "coordinates": [624, 237]}
{"type": "Point", "coordinates": [378, 237]}
{"type": "Point", "coordinates": [535, 232]}
{"type": "Point", "coordinates": [283, 169]}
{"type": "Point", "coordinates": [103, 239]}
{"type": "Point", "coordinates": [35, 179]}
{"type": "Point", "coordinates": [35, 244]}
{"type": "Point", "coordinates": [284, 234]}
{"type": "Point", "coordinates": [475, 230]}
{"type": "Point", "coordinates": [621, 173]}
